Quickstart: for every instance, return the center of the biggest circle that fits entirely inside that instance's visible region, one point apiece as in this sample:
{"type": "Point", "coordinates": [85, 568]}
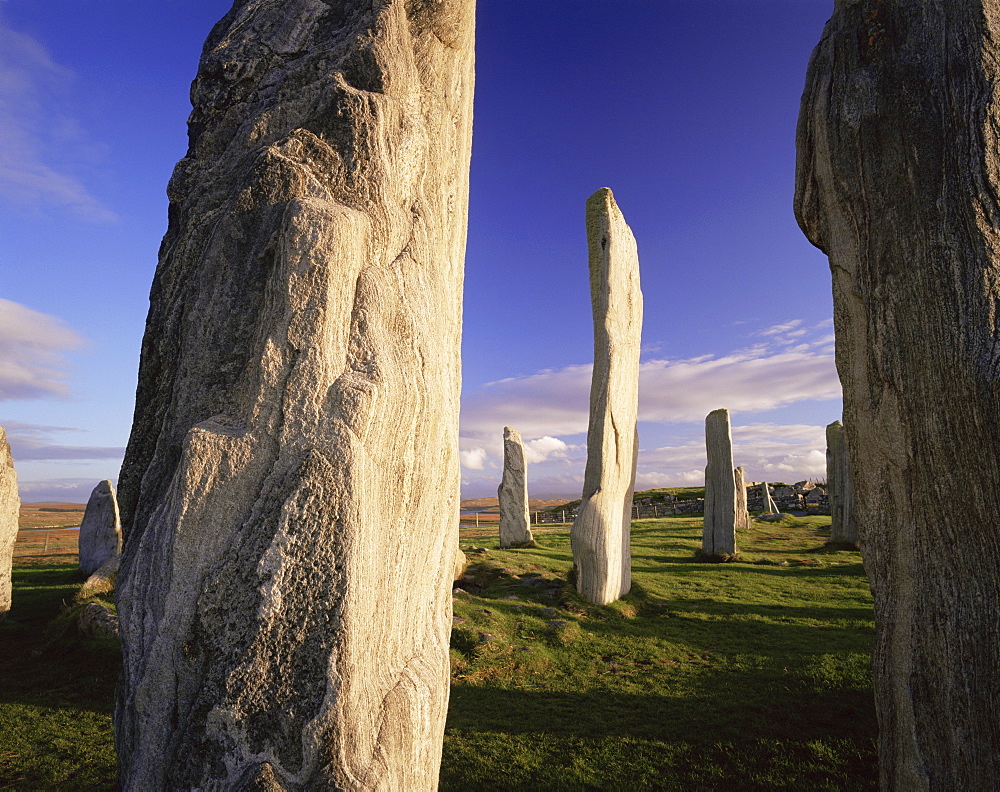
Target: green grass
{"type": "Point", "coordinates": [748, 675]}
{"type": "Point", "coordinates": [56, 689]}
{"type": "Point", "coordinates": [752, 675]}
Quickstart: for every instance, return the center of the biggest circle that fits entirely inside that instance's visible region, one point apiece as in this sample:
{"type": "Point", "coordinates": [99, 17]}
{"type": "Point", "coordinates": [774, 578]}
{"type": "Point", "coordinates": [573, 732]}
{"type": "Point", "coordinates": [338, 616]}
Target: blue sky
{"type": "Point", "coordinates": [685, 108]}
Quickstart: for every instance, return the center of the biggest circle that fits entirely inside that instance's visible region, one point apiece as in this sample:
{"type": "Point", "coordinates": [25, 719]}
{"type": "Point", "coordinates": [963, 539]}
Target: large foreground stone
{"type": "Point", "coordinates": [100, 529]}
{"type": "Point", "coordinates": [290, 487]}
{"type": "Point", "coordinates": [515, 519]}
{"type": "Point", "coordinates": [601, 533]}
{"type": "Point", "coordinates": [718, 537]}
{"type": "Point", "coordinates": [898, 178]}
{"type": "Point", "coordinates": [843, 529]}
{"type": "Point", "coordinates": [10, 506]}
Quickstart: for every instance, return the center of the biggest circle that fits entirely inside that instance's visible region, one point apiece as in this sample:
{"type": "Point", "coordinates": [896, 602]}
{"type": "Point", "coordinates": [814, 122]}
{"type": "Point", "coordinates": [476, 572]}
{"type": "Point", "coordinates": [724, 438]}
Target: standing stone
{"type": "Point", "coordinates": [766, 500]}
{"type": "Point", "coordinates": [601, 533]}
{"type": "Point", "coordinates": [838, 480]}
{"type": "Point", "coordinates": [100, 529]}
{"type": "Point", "coordinates": [10, 506]}
{"type": "Point", "coordinates": [898, 156]}
{"type": "Point", "coordinates": [515, 520]}
{"type": "Point", "coordinates": [718, 536]}
{"type": "Point", "coordinates": [290, 487]}
{"type": "Point", "coordinates": [742, 515]}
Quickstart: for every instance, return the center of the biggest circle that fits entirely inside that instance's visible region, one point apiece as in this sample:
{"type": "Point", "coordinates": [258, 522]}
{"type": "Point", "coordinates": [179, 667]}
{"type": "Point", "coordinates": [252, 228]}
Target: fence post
{"type": "Point", "coordinates": [477, 519]}
{"type": "Point", "coordinates": [564, 516]}
{"type": "Point", "coordinates": [46, 550]}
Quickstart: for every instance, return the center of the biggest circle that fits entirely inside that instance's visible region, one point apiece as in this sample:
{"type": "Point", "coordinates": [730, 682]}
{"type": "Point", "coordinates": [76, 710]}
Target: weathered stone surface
{"type": "Point", "coordinates": [100, 529]}
{"type": "Point", "coordinates": [601, 533]}
{"type": "Point", "coordinates": [898, 162]}
{"type": "Point", "coordinates": [742, 515]}
{"type": "Point", "coordinates": [10, 506]}
{"type": "Point", "coordinates": [515, 520]}
{"type": "Point", "coordinates": [718, 535]}
{"type": "Point", "coordinates": [102, 581]}
{"type": "Point", "coordinates": [838, 478]}
{"type": "Point", "coordinates": [97, 621]}
{"type": "Point", "coordinates": [765, 496]}
{"type": "Point", "coordinates": [300, 371]}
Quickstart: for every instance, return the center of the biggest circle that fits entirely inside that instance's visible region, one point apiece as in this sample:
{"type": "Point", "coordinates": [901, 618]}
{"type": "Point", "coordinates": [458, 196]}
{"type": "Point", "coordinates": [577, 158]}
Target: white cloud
{"type": "Point", "coordinates": [543, 448]}
{"type": "Point", "coordinates": [36, 133]}
{"type": "Point", "coordinates": [30, 443]}
{"type": "Point", "coordinates": [31, 353]}
{"type": "Point", "coordinates": [556, 402]}
{"type": "Point", "coordinates": [473, 458]}
{"type": "Point", "coordinates": [69, 490]}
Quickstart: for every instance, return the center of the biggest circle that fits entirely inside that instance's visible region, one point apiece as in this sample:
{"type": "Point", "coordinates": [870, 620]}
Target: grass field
{"type": "Point", "coordinates": [742, 676]}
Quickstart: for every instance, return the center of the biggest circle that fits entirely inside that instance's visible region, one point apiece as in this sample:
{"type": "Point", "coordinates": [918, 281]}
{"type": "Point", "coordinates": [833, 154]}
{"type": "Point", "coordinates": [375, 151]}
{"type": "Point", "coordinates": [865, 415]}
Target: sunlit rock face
{"type": "Point", "coordinates": [742, 515]}
{"type": "Point", "coordinates": [290, 488]}
{"type": "Point", "coordinates": [601, 532]}
{"type": "Point", "coordinates": [719, 533]}
{"type": "Point", "coordinates": [515, 519]}
{"type": "Point", "coordinates": [100, 529]}
{"type": "Point", "coordinates": [10, 506]}
{"type": "Point", "coordinates": [898, 173]}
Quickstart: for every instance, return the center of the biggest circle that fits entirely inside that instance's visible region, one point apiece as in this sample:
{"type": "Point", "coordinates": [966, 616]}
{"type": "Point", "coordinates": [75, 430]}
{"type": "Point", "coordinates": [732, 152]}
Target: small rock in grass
{"type": "Point", "coordinates": [548, 611]}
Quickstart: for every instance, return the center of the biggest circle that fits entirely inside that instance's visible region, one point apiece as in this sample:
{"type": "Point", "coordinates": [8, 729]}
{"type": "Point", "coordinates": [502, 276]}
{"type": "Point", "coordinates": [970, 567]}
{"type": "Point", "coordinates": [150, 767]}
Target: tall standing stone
{"type": "Point", "coordinates": [515, 519]}
{"type": "Point", "coordinates": [718, 536]}
{"type": "Point", "coordinates": [839, 492]}
{"type": "Point", "coordinates": [10, 506]}
{"type": "Point", "coordinates": [290, 487]}
{"type": "Point", "coordinates": [898, 156]}
{"type": "Point", "coordinates": [601, 533]}
{"type": "Point", "coordinates": [100, 529]}
{"type": "Point", "coordinates": [742, 515]}
{"type": "Point", "coordinates": [769, 506]}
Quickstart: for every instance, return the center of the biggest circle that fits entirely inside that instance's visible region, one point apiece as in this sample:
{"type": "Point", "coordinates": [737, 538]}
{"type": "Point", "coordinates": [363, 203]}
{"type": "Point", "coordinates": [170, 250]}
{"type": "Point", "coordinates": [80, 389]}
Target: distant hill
{"type": "Point", "coordinates": [534, 504]}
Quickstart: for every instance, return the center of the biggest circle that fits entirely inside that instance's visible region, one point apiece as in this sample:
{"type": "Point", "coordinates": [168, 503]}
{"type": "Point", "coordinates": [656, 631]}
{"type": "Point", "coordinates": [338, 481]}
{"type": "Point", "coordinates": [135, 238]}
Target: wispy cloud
{"type": "Point", "coordinates": [31, 353]}
{"type": "Point", "coordinates": [556, 402]}
{"type": "Point", "coordinates": [793, 363]}
{"type": "Point", "coordinates": [36, 134]}
{"type": "Point", "coordinates": [31, 443]}
{"type": "Point", "coordinates": [66, 490]}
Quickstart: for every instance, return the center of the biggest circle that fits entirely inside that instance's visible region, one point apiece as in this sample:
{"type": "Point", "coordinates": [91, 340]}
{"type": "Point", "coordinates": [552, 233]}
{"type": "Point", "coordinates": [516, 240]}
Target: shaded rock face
{"type": "Point", "coordinates": [898, 154]}
{"type": "Point", "coordinates": [719, 532]}
{"type": "Point", "coordinates": [838, 478]}
{"type": "Point", "coordinates": [100, 529]}
{"type": "Point", "coordinates": [280, 628]}
{"type": "Point", "coordinates": [515, 520]}
{"type": "Point", "coordinates": [601, 533]}
{"type": "Point", "coordinates": [742, 515]}
{"type": "Point", "coordinates": [10, 506]}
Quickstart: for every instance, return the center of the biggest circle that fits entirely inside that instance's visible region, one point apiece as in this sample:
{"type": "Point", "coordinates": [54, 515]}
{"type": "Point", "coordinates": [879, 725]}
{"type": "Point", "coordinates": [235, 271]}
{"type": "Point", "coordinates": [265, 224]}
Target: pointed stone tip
{"type": "Point", "coordinates": [601, 199]}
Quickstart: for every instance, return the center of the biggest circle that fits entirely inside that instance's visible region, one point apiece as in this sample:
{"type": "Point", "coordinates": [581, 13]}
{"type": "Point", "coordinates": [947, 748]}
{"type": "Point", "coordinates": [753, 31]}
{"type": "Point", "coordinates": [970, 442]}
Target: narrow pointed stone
{"type": "Point", "coordinates": [515, 519]}
{"type": "Point", "coordinates": [718, 536]}
{"type": "Point", "coordinates": [10, 506]}
{"type": "Point", "coordinates": [281, 627]}
{"type": "Point", "coordinates": [768, 502]}
{"type": "Point", "coordinates": [100, 529]}
{"type": "Point", "coordinates": [742, 515]}
{"type": "Point", "coordinates": [601, 533]}
{"type": "Point", "coordinates": [898, 176]}
{"type": "Point", "coordinates": [839, 492]}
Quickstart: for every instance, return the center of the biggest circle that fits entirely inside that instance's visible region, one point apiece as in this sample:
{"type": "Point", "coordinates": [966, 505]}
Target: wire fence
{"type": "Point", "coordinates": [45, 543]}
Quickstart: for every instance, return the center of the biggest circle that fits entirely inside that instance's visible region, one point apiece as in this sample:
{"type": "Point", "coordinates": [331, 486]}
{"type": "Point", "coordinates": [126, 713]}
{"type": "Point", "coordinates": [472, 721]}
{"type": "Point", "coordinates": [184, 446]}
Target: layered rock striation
{"type": "Point", "coordinates": [719, 532]}
{"type": "Point", "coordinates": [100, 529]}
{"type": "Point", "coordinates": [10, 505]}
{"type": "Point", "coordinates": [601, 533]}
{"type": "Point", "coordinates": [282, 629]}
{"type": "Point", "coordinates": [515, 519]}
{"type": "Point", "coordinates": [838, 478]}
{"type": "Point", "coordinates": [897, 182]}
